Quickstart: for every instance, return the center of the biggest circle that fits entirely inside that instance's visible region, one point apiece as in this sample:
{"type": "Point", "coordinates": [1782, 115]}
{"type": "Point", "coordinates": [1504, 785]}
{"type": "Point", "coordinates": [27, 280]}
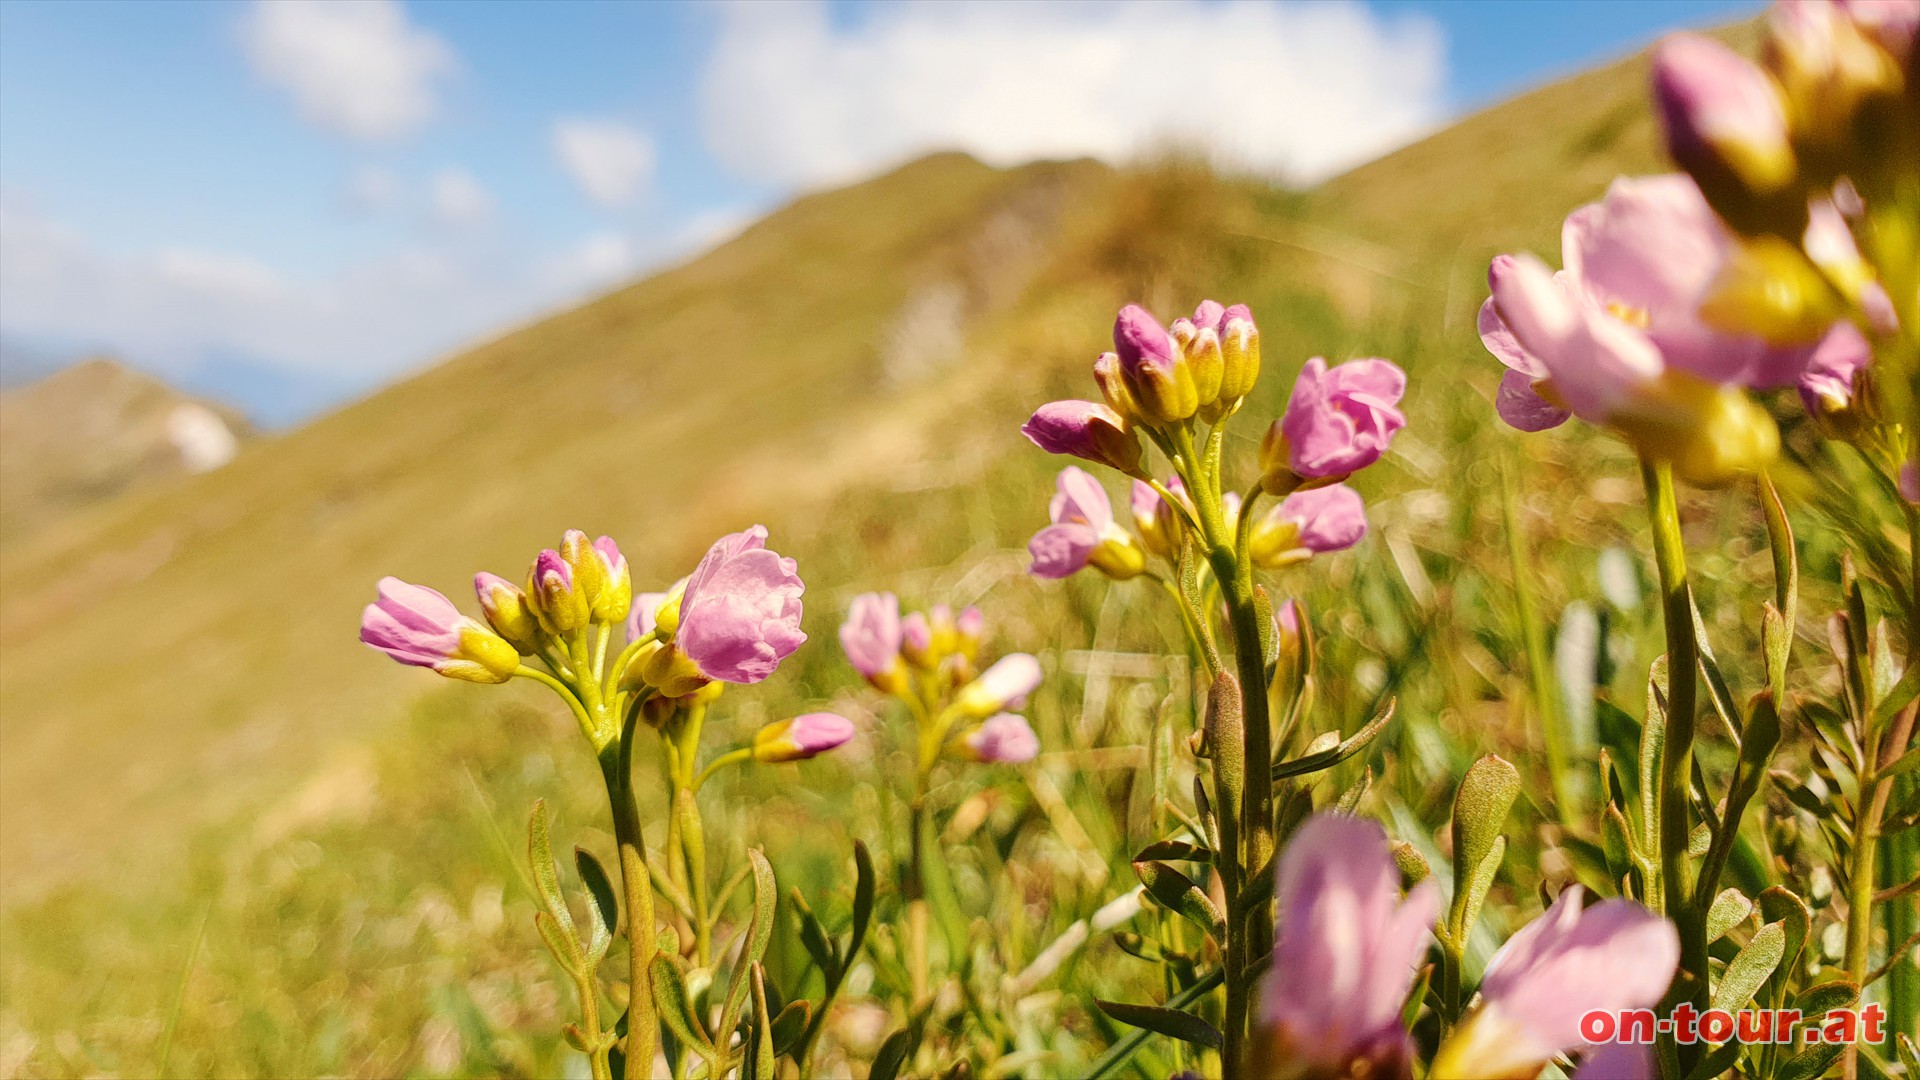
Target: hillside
{"type": "Point", "coordinates": [98, 431]}
{"type": "Point", "coordinates": [851, 371]}
{"type": "Point", "coordinates": [849, 331]}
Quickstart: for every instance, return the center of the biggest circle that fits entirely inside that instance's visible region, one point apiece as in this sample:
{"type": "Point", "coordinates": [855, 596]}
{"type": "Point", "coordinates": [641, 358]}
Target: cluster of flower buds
{"type": "Point", "coordinates": [1811, 158]}
{"type": "Point", "coordinates": [1622, 337]}
{"type": "Point", "coordinates": [1835, 97]}
{"type": "Point", "coordinates": [1350, 945]}
{"type": "Point", "coordinates": [733, 620]}
{"type": "Point", "coordinates": [928, 660]}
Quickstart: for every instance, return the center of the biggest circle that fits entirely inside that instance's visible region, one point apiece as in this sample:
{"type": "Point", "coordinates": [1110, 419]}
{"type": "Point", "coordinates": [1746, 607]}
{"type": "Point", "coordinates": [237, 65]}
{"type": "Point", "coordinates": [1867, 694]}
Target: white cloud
{"type": "Point", "coordinates": [1295, 90]}
{"type": "Point", "coordinates": [608, 159]}
{"type": "Point", "coordinates": [372, 188]}
{"type": "Point", "coordinates": [355, 67]}
{"type": "Point", "coordinates": [458, 199]}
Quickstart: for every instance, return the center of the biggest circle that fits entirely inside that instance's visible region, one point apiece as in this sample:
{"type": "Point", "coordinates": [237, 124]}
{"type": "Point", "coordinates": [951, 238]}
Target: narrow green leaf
{"type": "Point", "coordinates": [1816, 1002]}
{"type": "Point", "coordinates": [1176, 892]}
{"type": "Point", "coordinates": [763, 1055]}
{"type": "Point", "coordinates": [1729, 910]}
{"type": "Point", "coordinates": [564, 948]}
{"type": "Point", "coordinates": [1653, 747]}
{"type": "Point", "coordinates": [891, 1056]}
{"type": "Point", "coordinates": [813, 937]}
{"type": "Point", "coordinates": [1349, 800]}
{"type": "Point", "coordinates": [1172, 1023]}
{"type": "Point", "coordinates": [671, 1001]}
{"type": "Point", "coordinates": [1776, 641]}
{"type": "Point", "coordinates": [1122, 1051]}
{"type": "Point", "coordinates": [766, 896]}
{"type": "Point", "coordinates": [1717, 1062]}
{"type": "Point", "coordinates": [1750, 968]}
{"type": "Point", "coordinates": [1175, 850]}
{"type": "Point", "coordinates": [1717, 690]}
{"type": "Point", "coordinates": [546, 876]}
{"type": "Point", "coordinates": [1905, 763]}
{"type": "Point", "coordinates": [603, 911]}
{"type": "Point", "coordinates": [1909, 1056]}
{"type": "Point", "coordinates": [1779, 905]}
{"type": "Point", "coordinates": [1871, 1067]}
{"type": "Point", "coordinates": [1814, 1061]}
{"type": "Point", "coordinates": [862, 899]}
{"type": "Point", "coordinates": [791, 1024]}
{"type": "Point", "coordinates": [1322, 760]}
{"type": "Point", "coordinates": [1476, 890]}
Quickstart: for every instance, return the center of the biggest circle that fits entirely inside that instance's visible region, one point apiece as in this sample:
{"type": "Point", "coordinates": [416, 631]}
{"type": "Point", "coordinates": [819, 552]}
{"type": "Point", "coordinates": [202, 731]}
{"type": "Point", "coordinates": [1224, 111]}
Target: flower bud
{"type": "Point", "coordinates": [1240, 349]}
{"type": "Point", "coordinates": [916, 641]}
{"type": "Point", "coordinates": [1199, 344]}
{"type": "Point", "coordinates": [801, 737]}
{"type": "Point", "coordinates": [418, 626]}
{"type": "Point", "coordinates": [590, 574]}
{"type": "Point", "coordinates": [1087, 430]}
{"type": "Point", "coordinates": [656, 612]}
{"type": "Point", "coordinates": [1832, 72]}
{"type": "Point", "coordinates": [1827, 386]}
{"type": "Point", "coordinates": [1157, 376]}
{"type": "Point", "coordinates": [1769, 289]}
{"type": "Point", "coordinates": [1723, 118]}
{"type": "Point", "coordinates": [969, 627]}
{"type": "Point", "coordinates": [1005, 685]}
{"type": "Point", "coordinates": [1113, 388]}
{"type": "Point", "coordinates": [615, 596]}
{"type": "Point", "coordinates": [555, 596]}
{"type": "Point", "coordinates": [507, 612]}
{"type": "Point", "coordinates": [1006, 739]}
{"type": "Point", "coordinates": [1711, 433]}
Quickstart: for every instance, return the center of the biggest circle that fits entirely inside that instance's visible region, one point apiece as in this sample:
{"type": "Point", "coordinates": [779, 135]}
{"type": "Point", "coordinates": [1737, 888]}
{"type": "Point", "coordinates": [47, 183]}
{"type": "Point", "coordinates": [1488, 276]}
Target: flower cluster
{"type": "Point", "coordinates": [927, 660]}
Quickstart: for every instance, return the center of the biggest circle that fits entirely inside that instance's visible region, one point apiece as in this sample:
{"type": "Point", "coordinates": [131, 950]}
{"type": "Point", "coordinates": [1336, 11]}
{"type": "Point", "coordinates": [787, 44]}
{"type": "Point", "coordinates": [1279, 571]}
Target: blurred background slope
{"type": "Point", "coordinates": [234, 836]}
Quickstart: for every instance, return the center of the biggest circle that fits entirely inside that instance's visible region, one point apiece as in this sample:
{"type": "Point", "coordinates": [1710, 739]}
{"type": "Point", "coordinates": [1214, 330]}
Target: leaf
{"type": "Point", "coordinates": [1776, 641]}
{"type": "Point", "coordinates": [813, 937]}
{"type": "Point", "coordinates": [1816, 1002]}
{"type": "Point", "coordinates": [1871, 1067]}
{"type": "Point", "coordinates": [766, 896]}
{"type": "Point", "coordinates": [1617, 841]}
{"type": "Point", "coordinates": [1910, 1058]}
{"type": "Point", "coordinates": [602, 909]}
{"type": "Point", "coordinates": [1477, 889]}
{"type": "Point", "coordinates": [546, 876]}
{"type": "Point", "coordinates": [862, 899]}
{"type": "Point", "coordinates": [671, 1001]}
{"type": "Point", "coordinates": [764, 1054]}
{"type": "Point", "coordinates": [1750, 968]}
{"type": "Point", "coordinates": [564, 948]}
{"type": "Point", "coordinates": [791, 1024]}
{"type": "Point", "coordinates": [1717, 690]}
{"type": "Point", "coordinates": [1411, 864]}
{"type": "Point", "coordinates": [1176, 850]}
{"type": "Point", "coordinates": [1779, 905]}
{"type": "Point", "coordinates": [1129, 1044]}
{"type": "Point", "coordinates": [1172, 1023]}
{"type": "Point", "coordinates": [1814, 1061]}
{"type": "Point", "coordinates": [1480, 809]}
{"type": "Point", "coordinates": [892, 1054]}
{"type": "Point", "coordinates": [1320, 761]}
{"type": "Point", "coordinates": [1350, 799]}
{"type": "Point", "coordinates": [1786, 559]}
{"type": "Point", "coordinates": [1718, 1061]}
{"type": "Point", "coordinates": [1905, 763]}
{"type": "Point", "coordinates": [1653, 746]}
{"type": "Point", "coordinates": [1729, 910]}
{"type": "Point", "coordinates": [1176, 892]}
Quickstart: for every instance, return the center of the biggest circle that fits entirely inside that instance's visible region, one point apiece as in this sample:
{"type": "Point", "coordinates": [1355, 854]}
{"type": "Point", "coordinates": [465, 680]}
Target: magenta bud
{"type": "Point", "coordinates": [1087, 430]}
{"type": "Point", "coordinates": [801, 737]}
{"type": "Point", "coordinates": [1723, 117]}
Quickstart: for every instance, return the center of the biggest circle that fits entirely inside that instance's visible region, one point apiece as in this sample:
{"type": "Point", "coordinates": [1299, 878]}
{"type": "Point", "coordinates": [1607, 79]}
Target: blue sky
{"type": "Point", "coordinates": [293, 202]}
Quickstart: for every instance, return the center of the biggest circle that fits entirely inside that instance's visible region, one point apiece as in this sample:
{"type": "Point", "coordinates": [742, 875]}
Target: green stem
{"type": "Point", "coordinates": [636, 881]}
{"type": "Point", "coordinates": [588, 726]}
{"type": "Point", "coordinates": [1676, 761]}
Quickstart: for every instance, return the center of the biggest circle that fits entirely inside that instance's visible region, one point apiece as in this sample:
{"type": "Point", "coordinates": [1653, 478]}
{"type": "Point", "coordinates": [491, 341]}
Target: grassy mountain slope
{"type": "Point", "coordinates": [850, 371]}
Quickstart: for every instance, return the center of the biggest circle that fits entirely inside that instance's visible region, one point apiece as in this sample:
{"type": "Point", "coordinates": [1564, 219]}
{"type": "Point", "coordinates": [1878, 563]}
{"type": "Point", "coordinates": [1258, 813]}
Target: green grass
{"type": "Point", "coordinates": [196, 738]}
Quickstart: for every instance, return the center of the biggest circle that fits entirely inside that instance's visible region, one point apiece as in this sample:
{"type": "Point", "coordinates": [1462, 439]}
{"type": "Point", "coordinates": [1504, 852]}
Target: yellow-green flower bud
{"type": "Point", "coordinates": [670, 672]}
{"type": "Point", "coordinates": [507, 612]}
{"type": "Point", "coordinates": [1118, 556]}
{"type": "Point", "coordinates": [1769, 288]}
{"type": "Point", "coordinates": [555, 596]}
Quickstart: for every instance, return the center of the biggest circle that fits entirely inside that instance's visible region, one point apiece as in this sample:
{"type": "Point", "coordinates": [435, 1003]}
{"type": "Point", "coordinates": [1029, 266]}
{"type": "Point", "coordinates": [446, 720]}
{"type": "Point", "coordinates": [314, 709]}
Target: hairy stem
{"type": "Point", "coordinates": [1676, 762]}
{"type": "Point", "coordinates": [636, 880]}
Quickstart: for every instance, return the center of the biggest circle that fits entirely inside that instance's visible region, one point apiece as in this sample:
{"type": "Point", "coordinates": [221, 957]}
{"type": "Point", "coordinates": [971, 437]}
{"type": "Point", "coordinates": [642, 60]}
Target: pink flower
{"type": "Point", "coordinates": [801, 737]}
{"type": "Point", "coordinates": [1617, 1061]}
{"type": "Point", "coordinates": [1615, 955]}
{"type": "Point", "coordinates": [1601, 333]}
{"type": "Point", "coordinates": [1006, 739]}
{"type": "Point", "coordinates": [740, 615]}
{"type": "Point", "coordinates": [1005, 685]}
{"type": "Point", "coordinates": [1341, 419]}
{"type": "Point", "coordinates": [871, 635]}
{"type": "Point", "coordinates": [1724, 121]}
{"type": "Point", "coordinates": [1083, 531]}
{"type": "Point", "coordinates": [419, 626]}
{"type": "Point", "coordinates": [1085, 429]}
{"type": "Point", "coordinates": [1827, 385]}
{"type": "Point", "coordinates": [1307, 523]}
{"type": "Point", "coordinates": [1347, 951]}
